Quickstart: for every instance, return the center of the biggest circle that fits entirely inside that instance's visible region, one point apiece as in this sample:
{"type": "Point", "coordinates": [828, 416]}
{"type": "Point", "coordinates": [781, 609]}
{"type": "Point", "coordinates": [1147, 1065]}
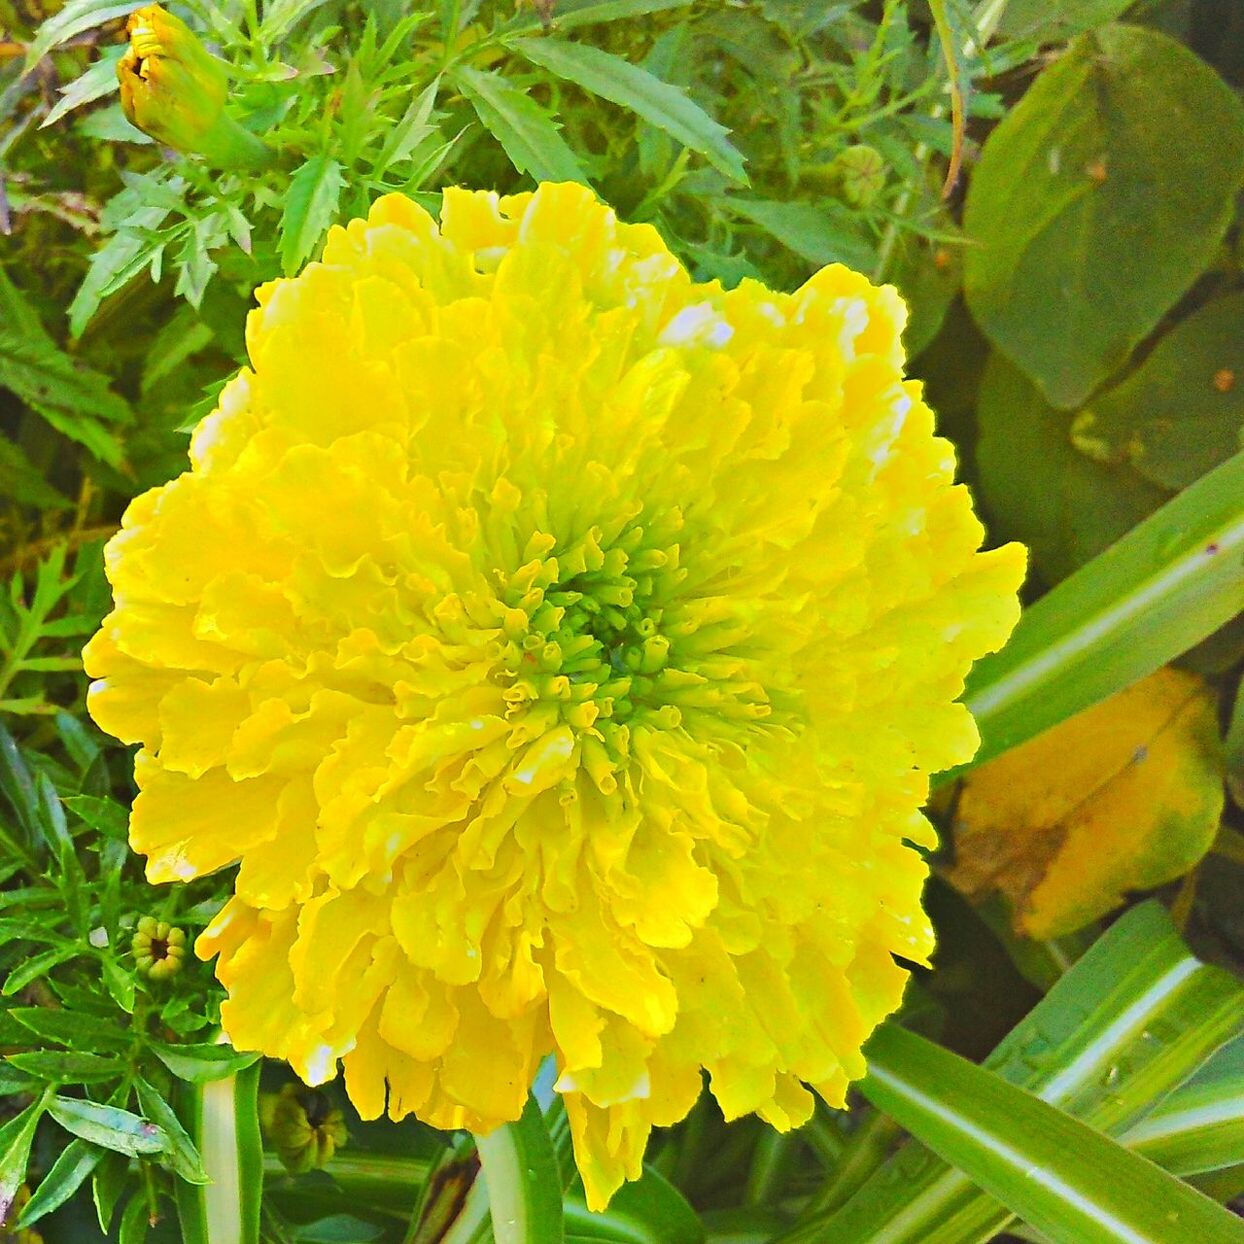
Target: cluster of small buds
{"type": "Point", "coordinates": [159, 948]}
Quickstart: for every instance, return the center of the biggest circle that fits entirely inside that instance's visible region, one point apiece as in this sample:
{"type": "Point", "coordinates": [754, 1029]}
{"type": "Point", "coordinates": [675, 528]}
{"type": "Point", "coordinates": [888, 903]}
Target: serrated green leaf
{"type": "Point", "coordinates": [310, 207]}
{"type": "Point", "coordinates": [73, 19]}
{"type": "Point", "coordinates": [39, 965]}
{"type": "Point", "coordinates": [520, 125]}
{"type": "Point", "coordinates": [667, 107]}
{"type": "Point", "coordinates": [65, 1027]}
{"type": "Point", "coordinates": [98, 80]}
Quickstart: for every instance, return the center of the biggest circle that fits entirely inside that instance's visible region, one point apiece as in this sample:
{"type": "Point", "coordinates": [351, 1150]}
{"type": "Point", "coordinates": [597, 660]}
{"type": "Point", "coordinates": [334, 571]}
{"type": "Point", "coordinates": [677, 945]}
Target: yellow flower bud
{"type": "Point", "coordinates": [158, 947]}
{"type": "Point", "coordinates": [174, 89]}
{"type": "Point", "coordinates": [303, 1127]}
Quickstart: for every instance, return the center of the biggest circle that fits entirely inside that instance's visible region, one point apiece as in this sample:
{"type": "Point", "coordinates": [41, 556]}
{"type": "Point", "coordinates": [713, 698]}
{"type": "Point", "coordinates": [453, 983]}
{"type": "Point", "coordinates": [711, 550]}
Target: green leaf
{"type": "Point", "coordinates": [110, 1180]}
{"type": "Point", "coordinates": [1052, 20]}
{"type": "Point", "coordinates": [200, 1064]}
{"type": "Point", "coordinates": [1097, 202]}
{"type": "Point", "coordinates": [68, 1173]}
{"type": "Point", "coordinates": [21, 481]}
{"type": "Point", "coordinates": [64, 1027]}
{"type": "Point", "coordinates": [104, 815]}
{"type": "Point", "coordinates": [108, 1126]}
{"type": "Point", "coordinates": [1180, 413]}
{"type": "Point", "coordinates": [667, 107]}
{"type": "Point", "coordinates": [310, 207]}
{"type": "Point", "coordinates": [1057, 1174]}
{"type": "Point", "coordinates": [1129, 1021]}
{"type": "Point", "coordinates": [575, 13]}
{"type": "Point", "coordinates": [72, 398]}
{"type": "Point", "coordinates": [16, 1137]}
{"type": "Point", "coordinates": [1163, 587]}
{"type": "Point", "coordinates": [73, 19]}
{"type": "Point", "coordinates": [39, 965]}
{"type": "Point", "coordinates": [524, 1187]}
{"type": "Point", "coordinates": [1039, 489]}
{"type": "Point", "coordinates": [222, 1122]}
{"type": "Point", "coordinates": [98, 80]}
{"type": "Point", "coordinates": [520, 125]}
{"type": "Point", "coordinates": [820, 233]}
{"type": "Point", "coordinates": [649, 1211]}
{"type": "Point", "coordinates": [67, 1068]}
{"type": "Point", "coordinates": [183, 1157]}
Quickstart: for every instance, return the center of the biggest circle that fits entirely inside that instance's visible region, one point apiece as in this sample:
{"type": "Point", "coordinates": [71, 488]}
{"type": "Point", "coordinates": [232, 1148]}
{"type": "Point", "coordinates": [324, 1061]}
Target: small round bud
{"type": "Point", "coordinates": [159, 948]}
{"type": "Point", "coordinates": [860, 172]}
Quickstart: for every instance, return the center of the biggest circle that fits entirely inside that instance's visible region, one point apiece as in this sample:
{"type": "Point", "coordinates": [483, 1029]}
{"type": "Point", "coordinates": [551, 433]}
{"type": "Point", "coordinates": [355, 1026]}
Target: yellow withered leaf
{"type": "Point", "coordinates": [1124, 796]}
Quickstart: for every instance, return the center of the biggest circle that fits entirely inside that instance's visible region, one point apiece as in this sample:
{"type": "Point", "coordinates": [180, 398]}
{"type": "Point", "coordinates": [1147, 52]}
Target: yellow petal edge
{"type": "Point", "coordinates": [562, 647]}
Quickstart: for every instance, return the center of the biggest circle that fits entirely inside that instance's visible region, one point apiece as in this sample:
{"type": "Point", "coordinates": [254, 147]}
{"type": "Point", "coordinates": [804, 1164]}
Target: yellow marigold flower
{"type": "Point", "coordinates": [562, 647]}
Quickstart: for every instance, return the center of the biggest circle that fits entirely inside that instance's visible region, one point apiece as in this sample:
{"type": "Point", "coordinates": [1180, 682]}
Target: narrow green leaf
{"type": "Point", "coordinates": [111, 1177]}
{"type": "Point", "coordinates": [200, 1064]}
{"type": "Point", "coordinates": [70, 1028]}
{"type": "Point", "coordinates": [649, 1211]}
{"type": "Point", "coordinates": [667, 107]}
{"type": "Point", "coordinates": [16, 1137]}
{"type": "Point", "coordinates": [310, 207]}
{"type": "Point", "coordinates": [1060, 1176]}
{"type": "Point", "coordinates": [98, 80]}
{"type": "Point", "coordinates": [1164, 586]}
{"type": "Point", "coordinates": [575, 13]}
{"type": "Point", "coordinates": [520, 125]}
{"type": "Point", "coordinates": [221, 1119]}
{"type": "Point", "coordinates": [1200, 1126]}
{"type": "Point", "coordinates": [108, 1126]}
{"type": "Point", "coordinates": [37, 966]}
{"type": "Point", "coordinates": [821, 233]}
{"type": "Point", "coordinates": [1131, 1019]}
{"type": "Point", "coordinates": [524, 1187]}
{"type": "Point", "coordinates": [73, 19]}
{"type": "Point", "coordinates": [68, 1173]}
{"type": "Point", "coordinates": [182, 1155]}
{"type": "Point", "coordinates": [105, 815]}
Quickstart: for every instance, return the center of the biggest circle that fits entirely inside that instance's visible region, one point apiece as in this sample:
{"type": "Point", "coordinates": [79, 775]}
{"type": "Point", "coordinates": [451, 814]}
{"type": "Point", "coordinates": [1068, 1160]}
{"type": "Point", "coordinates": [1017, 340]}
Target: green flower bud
{"type": "Point", "coordinates": [860, 172]}
{"type": "Point", "coordinates": [303, 1126]}
{"type": "Point", "coordinates": [158, 948]}
{"type": "Point", "coordinates": [174, 89]}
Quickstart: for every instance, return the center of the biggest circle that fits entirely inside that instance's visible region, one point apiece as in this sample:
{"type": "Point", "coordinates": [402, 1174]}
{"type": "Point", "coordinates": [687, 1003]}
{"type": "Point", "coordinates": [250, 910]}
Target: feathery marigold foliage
{"type": "Point", "coordinates": [563, 649]}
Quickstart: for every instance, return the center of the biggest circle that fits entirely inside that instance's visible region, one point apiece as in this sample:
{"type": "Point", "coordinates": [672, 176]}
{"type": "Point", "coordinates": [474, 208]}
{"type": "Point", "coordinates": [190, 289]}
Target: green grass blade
{"type": "Point", "coordinates": [524, 1187]}
{"type": "Point", "coordinates": [221, 1118]}
{"type": "Point", "coordinates": [1162, 588]}
{"type": "Point", "coordinates": [1057, 1174]}
{"type": "Point", "coordinates": [1133, 1018]}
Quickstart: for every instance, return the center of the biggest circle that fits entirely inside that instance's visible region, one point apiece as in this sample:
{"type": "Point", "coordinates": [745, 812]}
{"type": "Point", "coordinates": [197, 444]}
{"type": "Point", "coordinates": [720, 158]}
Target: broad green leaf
{"type": "Point", "coordinates": [520, 125]}
{"type": "Point", "coordinates": [1050, 20]}
{"type": "Point", "coordinates": [200, 1064]}
{"type": "Point", "coordinates": [1131, 1019]}
{"type": "Point", "coordinates": [1181, 412]}
{"type": "Point", "coordinates": [1150, 597]}
{"type": "Point", "coordinates": [1096, 202]}
{"type": "Point", "coordinates": [108, 1126]}
{"type": "Point", "coordinates": [68, 1173]}
{"type": "Point", "coordinates": [1200, 1126]}
{"type": "Point", "coordinates": [1039, 489]}
{"type": "Point", "coordinates": [68, 1067]}
{"type": "Point", "coordinates": [524, 1188]}
{"type": "Point", "coordinates": [1060, 1176]}
{"type": "Point", "coordinates": [667, 107]}
{"type": "Point", "coordinates": [73, 19]}
{"type": "Point", "coordinates": [98, 80]}
{"type": "Point", "coordinates": [820, 233]}
{"type": "Point", "coordinates": [310, 207]}
{"type": "Point", "coordinates": [1122, 797]}
{"type": "Point", "coordinates": [16, 1137]}
{"type": "Point", "coordinates": [222, 1122]}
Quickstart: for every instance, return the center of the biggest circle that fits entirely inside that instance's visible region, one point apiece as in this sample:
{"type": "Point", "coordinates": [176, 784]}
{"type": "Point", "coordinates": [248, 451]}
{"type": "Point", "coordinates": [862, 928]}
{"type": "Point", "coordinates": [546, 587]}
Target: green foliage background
{"type": "Point", "coordinates": [1077, 298]}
